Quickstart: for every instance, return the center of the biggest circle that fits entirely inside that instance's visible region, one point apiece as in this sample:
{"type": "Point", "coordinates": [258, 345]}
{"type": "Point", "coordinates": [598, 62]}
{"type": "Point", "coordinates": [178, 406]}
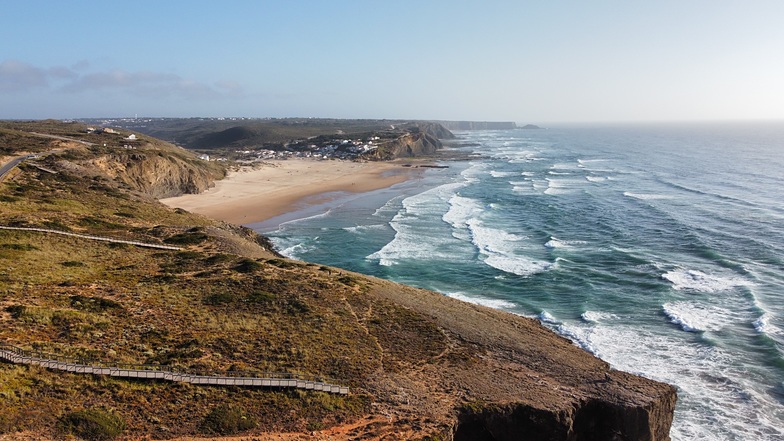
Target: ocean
{"type": "Point", "coordinates": [659, 248]}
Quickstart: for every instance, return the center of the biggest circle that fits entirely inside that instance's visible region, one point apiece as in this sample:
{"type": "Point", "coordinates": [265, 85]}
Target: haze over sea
{"type": "Point", "coordinates": [659, 248]}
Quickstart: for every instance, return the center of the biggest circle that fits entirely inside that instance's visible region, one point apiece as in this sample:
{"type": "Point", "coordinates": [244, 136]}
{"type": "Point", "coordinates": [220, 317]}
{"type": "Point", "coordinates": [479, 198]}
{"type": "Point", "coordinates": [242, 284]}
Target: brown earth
{"type": "Point", "coordinates": [420, 365]}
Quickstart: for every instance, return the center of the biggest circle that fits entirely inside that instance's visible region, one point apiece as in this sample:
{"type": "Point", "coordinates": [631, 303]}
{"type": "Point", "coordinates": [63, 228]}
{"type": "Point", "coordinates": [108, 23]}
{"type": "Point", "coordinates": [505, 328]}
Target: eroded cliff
{"type": "Point", "coordinates": [159, 175]}
{"type": "Point", "coordinates": [421, 139]}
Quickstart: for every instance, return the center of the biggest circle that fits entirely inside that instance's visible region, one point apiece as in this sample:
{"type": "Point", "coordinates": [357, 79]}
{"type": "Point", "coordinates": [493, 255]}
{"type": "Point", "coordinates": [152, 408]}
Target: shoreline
{"type": "Point", "coordinates": [277, 187]}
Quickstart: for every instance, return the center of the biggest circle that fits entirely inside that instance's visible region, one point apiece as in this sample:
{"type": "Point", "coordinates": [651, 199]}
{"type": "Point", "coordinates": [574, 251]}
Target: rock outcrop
{"type": "Point", "coordinates": [507, 378]}
{"type": "Point", "coordinates": [417, 140]}
{"type": "Point", "coordinates": [157, 173]}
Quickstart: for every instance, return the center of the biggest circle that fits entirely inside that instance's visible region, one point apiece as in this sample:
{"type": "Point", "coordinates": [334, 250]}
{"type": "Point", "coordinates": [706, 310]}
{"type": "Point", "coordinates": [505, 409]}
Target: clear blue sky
{"type": "Point", "coordinates": [525, 61]}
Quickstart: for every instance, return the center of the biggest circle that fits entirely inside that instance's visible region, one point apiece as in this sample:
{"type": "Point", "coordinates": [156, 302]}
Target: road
{"type": "Point", "coordinates": [62, 138]}
{"type": "Point", "coordinates": [5, 169]}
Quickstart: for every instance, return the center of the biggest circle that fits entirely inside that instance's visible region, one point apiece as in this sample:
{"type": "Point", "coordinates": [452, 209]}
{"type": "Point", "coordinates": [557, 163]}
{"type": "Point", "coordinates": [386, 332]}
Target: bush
{"type": "Point", "coordinates": [92, 424]}
{"type": "Point", "coordinates": [18, 247]}
{"type": "Point", "coordinates": [186, 239]}
{"type": "Point", "coordinates": [260, 297]}
{"type": "Point", "coordinates": [247, 266]}
{"type": "Point", "coordinates": [16, 311]}
{"type": "Point", "coordinates": [93, 304]}
{"type": "Point", "coordinates": [227, 420]}
{"type": "Point", "coordinates": [219, 298]}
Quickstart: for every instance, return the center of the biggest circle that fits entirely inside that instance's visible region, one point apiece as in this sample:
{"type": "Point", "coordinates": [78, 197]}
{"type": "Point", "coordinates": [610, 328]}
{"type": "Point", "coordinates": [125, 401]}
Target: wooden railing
{"type": "Point", "coordinates": [17, 355]}
{"type": "Point", "coordinates": [85, 236]}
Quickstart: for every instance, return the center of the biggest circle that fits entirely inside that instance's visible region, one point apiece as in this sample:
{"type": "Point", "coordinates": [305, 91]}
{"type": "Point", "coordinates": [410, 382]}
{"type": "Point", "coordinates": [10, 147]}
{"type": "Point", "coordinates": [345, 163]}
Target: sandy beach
{"type": "Point", "coordinates": [273, 188]}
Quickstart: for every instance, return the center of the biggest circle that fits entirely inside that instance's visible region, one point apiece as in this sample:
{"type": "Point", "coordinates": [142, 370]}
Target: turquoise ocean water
{"type": "Point", "coordinates": [658, 248]}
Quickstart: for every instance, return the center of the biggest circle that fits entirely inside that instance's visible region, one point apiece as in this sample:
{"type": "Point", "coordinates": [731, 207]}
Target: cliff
{"type": "Point", "coordinates": [420, 365]}
{"type": "Point", "coordinates": [158, 175]}
{"type": "Point", "coordinates": [415, 140]}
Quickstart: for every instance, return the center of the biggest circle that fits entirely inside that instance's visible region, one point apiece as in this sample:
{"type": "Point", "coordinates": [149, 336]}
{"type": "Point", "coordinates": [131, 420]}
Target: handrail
{"type": "Point", "coordinates": [17, 355]}
{"type": "Point", "coordinates": [86, 236]}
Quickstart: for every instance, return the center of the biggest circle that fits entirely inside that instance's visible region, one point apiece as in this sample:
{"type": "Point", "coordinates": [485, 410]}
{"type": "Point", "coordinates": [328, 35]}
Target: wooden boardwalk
{"type": "Point", "coordinates": [86, 236]}
{"type": "Point", "coordinates": [16, 355]}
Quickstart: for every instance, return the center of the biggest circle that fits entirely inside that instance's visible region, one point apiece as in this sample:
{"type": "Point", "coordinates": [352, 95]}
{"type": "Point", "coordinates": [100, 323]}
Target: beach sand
{"type": "Point", "coordinates": [253, 195]}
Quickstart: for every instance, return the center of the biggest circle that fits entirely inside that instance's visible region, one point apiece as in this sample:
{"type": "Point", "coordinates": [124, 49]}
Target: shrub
{"type": "Point", "coordinates": [56, 225]}
{"type": "Point", "coordinates": [218, 258]}
{"type": "Point", "coordinates": [92, 424]}
{"type": "Point", "coordinates": [18, 247]}
{"type": "Point", "coordinates": [247, 266]}
{"type": "Point", "coordinates": [186, 239]}
{"type": "Point", "coordinates": [72, 263]}
{"type": "Point", "coordinates": [94, 304]}
{"type": "Point", "coordinates": [280, 263]}
{"type": "Point", "coordinates": [16, 311]}
{"type": "Point", "coordinates": [219, 298]}
{"type": "Point", "coordinates": [227, 420]}
{"type": "Point", "coordinates": [260, 297]}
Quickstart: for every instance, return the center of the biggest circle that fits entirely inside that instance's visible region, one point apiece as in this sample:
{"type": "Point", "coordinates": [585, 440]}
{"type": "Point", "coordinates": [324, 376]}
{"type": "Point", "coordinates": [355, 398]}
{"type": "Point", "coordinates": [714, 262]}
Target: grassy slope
{"type": "Point", "coordinates": [414, 358]}
{"type": "Point", "coordinates": [194, 309]}
{"type": "Point", "coordinates": [205, 309]}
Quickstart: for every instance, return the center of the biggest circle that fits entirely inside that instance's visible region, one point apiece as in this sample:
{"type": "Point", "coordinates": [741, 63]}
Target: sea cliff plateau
{"type": "Point", "coordinates": [419, 365]}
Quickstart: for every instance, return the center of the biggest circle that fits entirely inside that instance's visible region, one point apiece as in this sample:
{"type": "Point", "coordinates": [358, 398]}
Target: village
{"type": "Point", "coordinates": [319, 149]}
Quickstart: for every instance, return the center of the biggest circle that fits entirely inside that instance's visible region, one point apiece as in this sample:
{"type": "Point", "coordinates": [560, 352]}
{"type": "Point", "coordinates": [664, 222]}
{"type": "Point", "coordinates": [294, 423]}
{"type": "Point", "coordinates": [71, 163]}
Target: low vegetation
{"type": "Point", "coordinates": [92, 424]}
{"type": "Point", "coordinates": [209, 308]}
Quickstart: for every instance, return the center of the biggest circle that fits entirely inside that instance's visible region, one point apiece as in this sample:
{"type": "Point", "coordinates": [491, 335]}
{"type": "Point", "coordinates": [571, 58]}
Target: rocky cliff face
{"type": "Point", "coordinates": [157, 173]}
{"type": "Point", "coordinates": [421, 139]}
{"type": "Point", "coordinates": [508, 378]}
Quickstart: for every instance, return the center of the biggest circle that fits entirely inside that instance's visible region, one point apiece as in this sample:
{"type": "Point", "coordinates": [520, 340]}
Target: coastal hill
{"type": "Point", "coordinates": [271, 133]}
{"type": "Point", "coordinates": [419, 365]}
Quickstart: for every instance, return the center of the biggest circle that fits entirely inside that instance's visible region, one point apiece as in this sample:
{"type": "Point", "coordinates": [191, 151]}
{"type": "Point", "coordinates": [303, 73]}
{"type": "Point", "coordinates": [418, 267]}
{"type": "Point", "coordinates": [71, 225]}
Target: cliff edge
{"type": "Point", "coordinates": [419, 365]}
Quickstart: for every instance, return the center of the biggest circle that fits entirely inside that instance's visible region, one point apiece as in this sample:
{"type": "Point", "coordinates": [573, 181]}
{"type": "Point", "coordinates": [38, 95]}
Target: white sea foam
{"type": "Point", "coordinates": [499, 247]}
{"type": "Point", "coordinates": [547, 317]}
{"type": "Point", "coordinates": [694, 280]}
{"type": "Point", "coordinates": [558, 173]}
{"type": "Point", "coordinates": [695, 317]}
{"type": "Point", "coordinates": [763, 326]}
{"type": "Point", "coordinates": [364, 229]}
{"type": "Point", "coordinates": [473, 174]}
{"type": "Point", "coordinates": [715, 394]}
{"type": "Point", "coordinates": [483, 300]}
{"type": "Point", "coordinates": [597, 316]}
{"type": "Point", "coordinates": [305, 219]}
{"type": "Point", "coordinates": [580, 336]}
{"type": "Point", "coordinates": [558, 243]}
{"type": "Point", "coordinates": [294, 251]}
{"type": "Point", "coordinates": [528, 174]}
{"type": "Point", "coordinates": [500, 174]}
{"type": "Point", "coordinates": [646, 196]}
{"type": "Point", "coordinates": [461, 210]}
{"type": "Point", "coordinates": [563, 185]}
{"type": "Point", "coordinates": [590, 161]}
{"type": "Point", "coordinates": [390, 206]}
{"type": "Point", "coordinates": [413, 240]}
{"type": "Point", "coordinates": [596, 179]}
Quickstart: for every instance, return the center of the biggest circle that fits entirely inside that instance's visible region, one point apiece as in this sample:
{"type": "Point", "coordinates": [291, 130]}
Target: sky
{"type": "Point", "coordinates": [498, 60]}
